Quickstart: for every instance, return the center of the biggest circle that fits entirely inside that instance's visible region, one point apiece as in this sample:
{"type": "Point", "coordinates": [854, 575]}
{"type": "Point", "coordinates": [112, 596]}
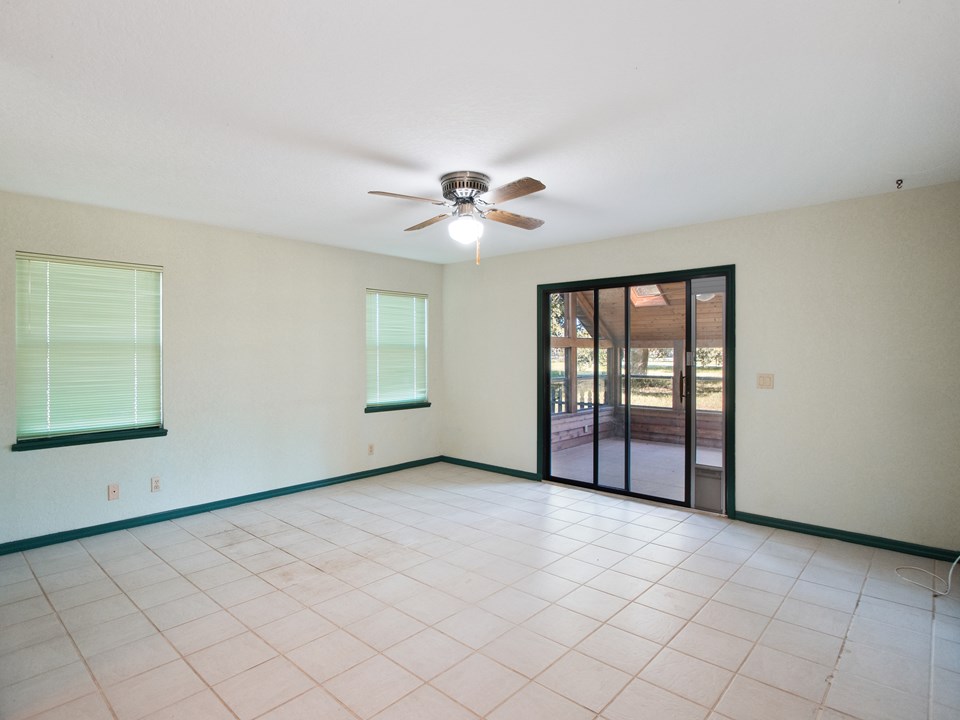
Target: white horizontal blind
{"type": "Point", "coordinates": [396, 348]}
{"type": "Point", "coordinates": [88, 346]}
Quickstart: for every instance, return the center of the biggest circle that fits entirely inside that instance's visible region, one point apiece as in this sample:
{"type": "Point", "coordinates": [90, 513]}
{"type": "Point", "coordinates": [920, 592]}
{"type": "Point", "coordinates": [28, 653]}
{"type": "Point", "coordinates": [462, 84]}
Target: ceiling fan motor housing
{"type": "Point", "coordinates": [464, 185]}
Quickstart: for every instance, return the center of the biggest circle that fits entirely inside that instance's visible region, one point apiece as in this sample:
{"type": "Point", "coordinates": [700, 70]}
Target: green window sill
{"type": "Point", "coordinates": [395, 406]}
{"type": "Point", "coordinates": [87, 438]}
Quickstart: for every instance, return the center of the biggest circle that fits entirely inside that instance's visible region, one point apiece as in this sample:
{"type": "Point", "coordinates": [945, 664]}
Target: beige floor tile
{"type": "Point", "coordinates": [82, 594]}
{"type": "Point", "coordinates": [593, 603]}
{"type": "Point", "coordinates": [331, 655]}
{"type": "Point", "coordinates": [619, 648]}
{"type": "Point", "coordinates": [479, 683]}
{"type": "Point", "coordinates": [205, 705]}
{"type": "Point", "coordinates": [295, 630]}
{"type": "Point", "coordinates": [584, 680]}
{"type": "Point", "coordinates": [535, 702]}
{"type": "Point", "coordinates": [262, 688]}
{"type": "Point", "coordinates": [349, 607]}
{"type": "Point", "coordinates": [787, 672]}
{"type": "Point", "coordinates": [266, 608]}
{"type": "Point", "coordinates": [36, 659]}
{"type": "Point", "coordinates": [711, 645]}
{"type": "Point", "coordinates": [747, 598]}
{"type": "Point", "coordinates": [121, 663]}
{"type": "Point", "coordinates": [428, 653]}
{"type": "Point", "coordinates": [642, 568]}
{"type": "Point", "coordinates": [887, 668]}
{"type": "Point", "coordinates": [97, 612]}
{"type": "Point", "coordinates": [30, 632]}
{"type": "Point", "coordinates": [98, 638]}
{"type": "Point", "coordinates": [88, 707]}
{"type": "Point", "coordinates": [162, 592]}
{"type": "Point", "coordinates": [239, 591]}
{"type": "Point", "coordinates": [153, 690]}
{"type": "Point", "coordinates": [217, 575]}
{"type": "Point", "coordinates": [204, 631]}
{"type": "Point", "coordinates": [431, 606]}
{"type": "Point", "coordinates": [524, 651]}
{"type": "Point", "coordinates": [803, 642]}
{"type": "Point", "coordinates": [860, 697]}
{"type": "Point", "coordinates": [824, 596]}
{"type": "Point", "coordinates": [474, 626]}
{"type": "Point", "coordinates": [748, 699]}
{"type": "Point", "coordinates": [561, 625]}
{"type": "Point", "coordinates": [385, 628]}
{"type": "Point", "coordinates": [230, 657]}
{"type": "Point", "coordinates": [513, 605]}
{"type": "Point", "coordinates": [672, 601]}
{"type": "Point", "coordinates": [372, 686]}
{"type": "Point", "coordinates": [641, 699]}
{"type": "Point", "coordinates": [316, 704]}
{"type": "Point", "coordinates": [692, 582]}
{"type": "Point", "coordinates": [546, 586]}
{"type": "Point", "coordinates": [446, 552]}
{"type": "Point", "coordinates": [425, 703]}
{"type": "Point", "coordinates": [647, 622]}
{"type": "Point", "coordinates": [732, 620]}
{"type": "Point", "coordinates": [686, 676]}
{"type": "Point", "coordinates": [182, 610]}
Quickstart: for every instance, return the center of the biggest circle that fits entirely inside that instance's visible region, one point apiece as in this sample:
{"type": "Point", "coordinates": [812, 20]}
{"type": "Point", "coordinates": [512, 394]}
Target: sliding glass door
{"type": "Point", "coordinates": [634, 386]}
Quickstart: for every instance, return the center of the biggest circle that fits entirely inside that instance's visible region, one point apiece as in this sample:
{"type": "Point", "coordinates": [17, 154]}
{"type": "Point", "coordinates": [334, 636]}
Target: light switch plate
{"type": "Point", "coordinates": [765, 381]}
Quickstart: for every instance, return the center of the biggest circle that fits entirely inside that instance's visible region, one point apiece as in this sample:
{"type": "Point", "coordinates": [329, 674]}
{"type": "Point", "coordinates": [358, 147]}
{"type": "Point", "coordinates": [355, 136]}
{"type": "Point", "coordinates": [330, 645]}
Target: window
{"type": "Point", "coordinates": [88, 351]}
{"type": "Point", "coordinates": [396, 351]}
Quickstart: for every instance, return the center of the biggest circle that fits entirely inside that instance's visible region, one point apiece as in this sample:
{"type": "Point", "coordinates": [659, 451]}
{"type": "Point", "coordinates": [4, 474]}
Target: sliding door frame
{"type": "Point", "coordinates": [543, 369]}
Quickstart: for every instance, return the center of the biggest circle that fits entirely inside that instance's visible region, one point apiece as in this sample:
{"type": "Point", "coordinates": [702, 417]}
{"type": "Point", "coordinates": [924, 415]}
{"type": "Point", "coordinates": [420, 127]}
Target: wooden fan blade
{"type": "Point", "coordinates": [509, 218]}
{"type": "Point", "coordinates": [518, 188]}
{"type": "Point", "coordinates": [427, 223]}
{"type": "Point", "coordinates": [406, 197]}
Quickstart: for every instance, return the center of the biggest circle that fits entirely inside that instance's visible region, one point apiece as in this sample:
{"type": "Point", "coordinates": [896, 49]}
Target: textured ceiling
{"type": "Point", "coordinates": [278, 117]}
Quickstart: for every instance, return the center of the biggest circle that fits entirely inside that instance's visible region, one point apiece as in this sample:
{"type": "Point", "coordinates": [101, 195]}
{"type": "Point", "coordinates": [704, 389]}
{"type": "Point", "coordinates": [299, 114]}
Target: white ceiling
{"type": "Point", "coordinates": [277, 117]}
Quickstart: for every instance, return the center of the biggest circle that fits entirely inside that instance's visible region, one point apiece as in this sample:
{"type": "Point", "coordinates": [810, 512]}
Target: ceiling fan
{"type": "Point", "coordinates": [469, 196]}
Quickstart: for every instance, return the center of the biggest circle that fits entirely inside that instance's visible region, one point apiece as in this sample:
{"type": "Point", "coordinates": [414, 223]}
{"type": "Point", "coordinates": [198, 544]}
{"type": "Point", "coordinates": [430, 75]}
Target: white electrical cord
{"type": "Point", "coordinates": [936, 578]}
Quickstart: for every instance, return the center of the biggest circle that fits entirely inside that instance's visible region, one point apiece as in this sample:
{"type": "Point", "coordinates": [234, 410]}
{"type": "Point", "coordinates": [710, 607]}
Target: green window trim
{"type": "Point", "coordinates": [395, 406]}
{"type": "Point", "coordinates": [87, 438]}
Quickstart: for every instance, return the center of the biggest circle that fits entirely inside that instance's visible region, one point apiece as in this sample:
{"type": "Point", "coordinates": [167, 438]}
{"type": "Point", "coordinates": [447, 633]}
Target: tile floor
{"type": "Point", "coordinates": [446, 592]}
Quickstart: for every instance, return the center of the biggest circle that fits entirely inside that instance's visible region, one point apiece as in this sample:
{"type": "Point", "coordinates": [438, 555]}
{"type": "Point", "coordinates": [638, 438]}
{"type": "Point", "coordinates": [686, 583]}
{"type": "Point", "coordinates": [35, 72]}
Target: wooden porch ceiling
{"type": "Point", "coordinates": [650, 325]}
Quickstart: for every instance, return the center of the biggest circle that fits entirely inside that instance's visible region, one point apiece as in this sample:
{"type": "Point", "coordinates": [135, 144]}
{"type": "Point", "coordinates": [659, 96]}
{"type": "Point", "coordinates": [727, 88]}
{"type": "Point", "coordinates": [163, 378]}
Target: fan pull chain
{"type": "Point", "coordinates": [478, 251]}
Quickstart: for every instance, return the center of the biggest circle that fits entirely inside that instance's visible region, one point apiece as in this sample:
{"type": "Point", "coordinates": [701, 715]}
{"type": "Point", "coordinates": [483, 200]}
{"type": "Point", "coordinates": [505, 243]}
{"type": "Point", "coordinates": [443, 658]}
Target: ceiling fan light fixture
{"type": "Point", "coordinates": [466, 229]}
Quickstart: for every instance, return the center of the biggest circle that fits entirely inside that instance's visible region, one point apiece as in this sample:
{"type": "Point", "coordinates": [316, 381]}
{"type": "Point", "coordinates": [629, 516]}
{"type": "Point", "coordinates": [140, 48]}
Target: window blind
{"type": "Point", "coordinates": [396, 348]}
{"type": "Point", "coordinates": [88, 346]}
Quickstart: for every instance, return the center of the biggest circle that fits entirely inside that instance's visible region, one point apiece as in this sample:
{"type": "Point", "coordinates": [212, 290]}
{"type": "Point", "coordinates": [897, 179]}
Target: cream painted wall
{"type": "Point", "coordinates": [855, 306]}
{"type": "Point", "coordinates": [264, 369]}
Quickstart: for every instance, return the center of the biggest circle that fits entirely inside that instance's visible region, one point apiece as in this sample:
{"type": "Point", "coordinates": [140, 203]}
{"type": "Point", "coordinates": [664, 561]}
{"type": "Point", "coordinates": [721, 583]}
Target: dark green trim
{"type": "Point", "coordinates": [730, 393]}
{"type": "Point", "coordinates": [395, 406]}
{"type": "Point", "coordinates": [523, 474]}
{"type": "Point", "coordinates": [66, 535]}
{"type": "Point", "coordinates": [851, 537]}
{"type": "Point", "coordinates": [87, 438]}
{"type": "Point", "coordinates": [543, 369]}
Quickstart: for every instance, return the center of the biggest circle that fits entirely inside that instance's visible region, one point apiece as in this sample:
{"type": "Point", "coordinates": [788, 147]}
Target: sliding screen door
{"type": "Point", "coordinates": [636, 377]}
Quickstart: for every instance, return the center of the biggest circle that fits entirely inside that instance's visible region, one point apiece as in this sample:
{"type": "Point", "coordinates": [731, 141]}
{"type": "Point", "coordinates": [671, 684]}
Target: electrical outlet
{"type": "Point", "coordinates": [765, 381]}
{"type": "Point", "coordinates": [370, 449]}
{"type": "Point", "coordinates": [155, 483]}
{"type": "Point", "coordinates": [113, 492]}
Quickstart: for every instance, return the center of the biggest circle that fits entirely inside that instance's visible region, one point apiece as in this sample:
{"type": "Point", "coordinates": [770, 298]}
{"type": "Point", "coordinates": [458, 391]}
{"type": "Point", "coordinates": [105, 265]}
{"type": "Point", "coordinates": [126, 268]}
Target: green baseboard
{"type": "Point", "coordinates": [852, 537]}
{"type": "Point", "coordinates": [490, 468]}
{"type": "Point", "coordinates": [67, 535]}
